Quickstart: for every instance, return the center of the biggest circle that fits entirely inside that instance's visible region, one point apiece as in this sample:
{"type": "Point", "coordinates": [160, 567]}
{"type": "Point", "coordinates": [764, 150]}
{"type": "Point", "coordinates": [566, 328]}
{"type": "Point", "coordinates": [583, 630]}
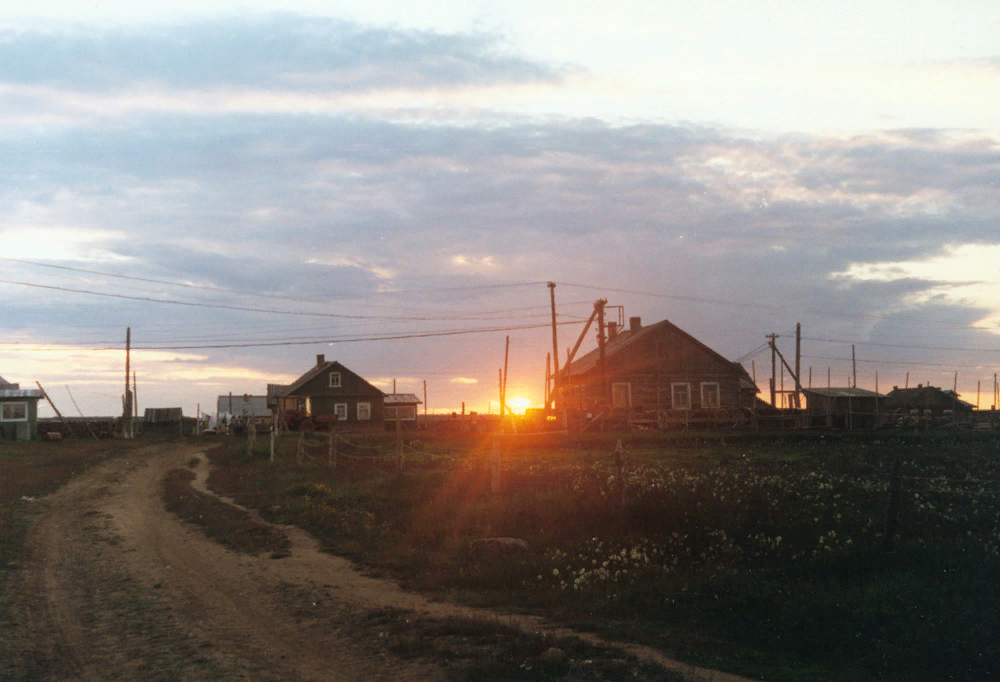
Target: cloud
{"type": "Point", "coordinates": [277, 51]}
{"type": "Point", "coordinates": [463, 380]}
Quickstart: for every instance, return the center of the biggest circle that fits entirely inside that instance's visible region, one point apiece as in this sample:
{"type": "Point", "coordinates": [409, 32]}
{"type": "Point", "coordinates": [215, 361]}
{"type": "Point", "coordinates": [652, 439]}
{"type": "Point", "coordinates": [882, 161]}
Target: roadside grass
{"type": "Point", "coordinates": [760, 555]}
{"type": "Point", "coordinates": [223, 523]}
{"type": "Point", "coordinates": [29, 470]}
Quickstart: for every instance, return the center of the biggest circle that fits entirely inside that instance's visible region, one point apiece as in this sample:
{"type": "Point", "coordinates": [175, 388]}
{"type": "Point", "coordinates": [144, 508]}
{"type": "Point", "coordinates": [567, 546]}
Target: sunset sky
{"type": "Point", "coordinates": [249, 184]}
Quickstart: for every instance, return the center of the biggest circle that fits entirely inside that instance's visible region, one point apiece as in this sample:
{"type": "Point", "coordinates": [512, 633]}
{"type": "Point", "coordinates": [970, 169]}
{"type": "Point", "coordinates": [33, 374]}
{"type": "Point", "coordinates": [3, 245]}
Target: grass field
{"type": "Point", "coordinates": [758, 555]}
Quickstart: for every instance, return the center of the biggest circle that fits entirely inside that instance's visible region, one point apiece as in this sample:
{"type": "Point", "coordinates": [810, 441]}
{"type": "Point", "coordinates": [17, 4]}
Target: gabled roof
{"type": "Point", "coordinates": [6, 384]}
{"type": "Point", "coordinates": [402, 399]}
{"type": "Point", "coordinates": [316, 371]}
{"type": "Point", "coordinates": [627, 337]}
{"type": "Point", "coordinates": [835, 392]}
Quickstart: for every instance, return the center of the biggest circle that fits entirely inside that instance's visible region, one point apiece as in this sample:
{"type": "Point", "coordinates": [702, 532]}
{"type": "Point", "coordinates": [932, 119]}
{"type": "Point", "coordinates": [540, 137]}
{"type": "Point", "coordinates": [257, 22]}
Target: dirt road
{"type": "Point", "coordinates": [115, 587]}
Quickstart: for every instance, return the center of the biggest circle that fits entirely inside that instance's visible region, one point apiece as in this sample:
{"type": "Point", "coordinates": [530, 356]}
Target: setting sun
{"type": "Point", "coordinates": [518, 405]}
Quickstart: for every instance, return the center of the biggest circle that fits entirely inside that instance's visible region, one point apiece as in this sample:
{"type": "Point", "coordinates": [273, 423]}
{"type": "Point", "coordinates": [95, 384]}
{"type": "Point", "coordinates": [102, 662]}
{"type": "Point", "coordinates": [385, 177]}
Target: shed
{"type": "Point", "coordinates": [403, 404]}
{"type": "Point", "coordinates": [842, 408]}
{"type": "Point", "coordinates": [330, 392]}
{"type": "Point", "coordinates": [661, 375]}
{"type": "Point", "coordinates": [18, 411]}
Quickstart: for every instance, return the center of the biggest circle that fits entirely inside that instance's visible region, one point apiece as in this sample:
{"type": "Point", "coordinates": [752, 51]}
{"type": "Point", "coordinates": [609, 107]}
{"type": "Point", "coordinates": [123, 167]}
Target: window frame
{"type": "Point", "coordinates": [338, 383]}
{"type": "Point", "coordinates": [627, 395]}
{"type": "Point", "coordinates": [368, 408]}
{"type": "Point", "coordinates": [4, 406]}
{"type": "Point", "coordinates": [340, 411]}
{"type": "Point", "coordinates": [686, 388]}
{"type": "Point", "coordinates": [717, 393]}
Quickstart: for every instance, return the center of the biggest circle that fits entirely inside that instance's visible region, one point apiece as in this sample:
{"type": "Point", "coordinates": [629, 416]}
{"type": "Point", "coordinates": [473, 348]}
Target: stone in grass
{"type": "Point", "coordinates": [493, 548]}
{"type": "Point", "coordinates": [553, 655]}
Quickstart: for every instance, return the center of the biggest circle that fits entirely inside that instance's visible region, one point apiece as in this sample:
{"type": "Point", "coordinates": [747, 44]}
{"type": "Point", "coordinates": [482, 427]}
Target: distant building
{"type": "Point", "coordinates": [925, 398]}
{"type": "Point", "coordinates": [18, 411]}
{"type": "Point", "coordinates": [244, 405]}
{"type": "Point", "coordinates": [843, 408]}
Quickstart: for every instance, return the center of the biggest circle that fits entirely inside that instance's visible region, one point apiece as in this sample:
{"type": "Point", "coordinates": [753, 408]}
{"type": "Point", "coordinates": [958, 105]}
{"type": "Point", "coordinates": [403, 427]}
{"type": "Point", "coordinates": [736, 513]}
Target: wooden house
{"type": "Point", "coordinates": [658, 375]}
{"type": "Point", "coordinates": [18, 411]}
{"type": "Point", "coordinates": [330, 392]}
{"type": "Point", "coordinates": [925, 400]}
{"type": "Point", "coordinates": [843, 408]}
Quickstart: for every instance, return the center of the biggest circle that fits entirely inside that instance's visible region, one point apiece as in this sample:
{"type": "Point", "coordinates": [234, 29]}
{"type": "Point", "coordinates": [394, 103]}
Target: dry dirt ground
{"type": "Point", "coordinates": [114, 587]}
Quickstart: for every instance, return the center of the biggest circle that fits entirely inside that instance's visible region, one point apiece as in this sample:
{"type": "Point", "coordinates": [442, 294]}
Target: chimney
{"type": "Point", "coordinates": [634, 324]}
{"type": "Point", "coordinates": [612, 330]}
{"type": "Point", "coordinates": [320, 360]}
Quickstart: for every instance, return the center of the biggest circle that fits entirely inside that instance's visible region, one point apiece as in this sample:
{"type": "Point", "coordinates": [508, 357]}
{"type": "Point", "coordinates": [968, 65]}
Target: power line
{"type": "Point", "coordinates": [328, 341]}
{"type": "Point", "coordinates": [762, 306]}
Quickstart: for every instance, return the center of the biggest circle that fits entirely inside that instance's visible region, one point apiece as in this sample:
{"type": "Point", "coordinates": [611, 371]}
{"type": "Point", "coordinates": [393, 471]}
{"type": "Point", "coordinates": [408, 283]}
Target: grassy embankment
{"type": "Point", "coordinates": [759, 555]}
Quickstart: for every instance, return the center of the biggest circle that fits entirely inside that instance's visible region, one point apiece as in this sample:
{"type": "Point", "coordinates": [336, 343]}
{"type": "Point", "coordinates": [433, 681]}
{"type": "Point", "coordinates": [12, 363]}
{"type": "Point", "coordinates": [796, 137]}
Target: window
{"type": "Point", "coordinates": [621, 396]}
{"type": "Point", "coordinates": [710, 395]}
{"type": "Point", "coordinates": [680, 396]}
{"type": "Point", "coordinates": [340, 410]}
{"type": "Point", "coordinates": [334, 379]}
{"type": "Point", "coordinates": [364, 411]}
{"type": "Point", "coordinates": [13, 412]}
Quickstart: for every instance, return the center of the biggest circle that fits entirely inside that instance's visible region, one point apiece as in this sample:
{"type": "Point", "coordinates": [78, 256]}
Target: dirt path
{"type": "Point", "coordinates": [114, 587]}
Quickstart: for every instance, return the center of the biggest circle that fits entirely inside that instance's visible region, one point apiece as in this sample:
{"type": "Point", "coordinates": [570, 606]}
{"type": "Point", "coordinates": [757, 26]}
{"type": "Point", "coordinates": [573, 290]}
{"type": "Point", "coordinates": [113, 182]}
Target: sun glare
{"type": "Point", "coordinates": [518, 405]}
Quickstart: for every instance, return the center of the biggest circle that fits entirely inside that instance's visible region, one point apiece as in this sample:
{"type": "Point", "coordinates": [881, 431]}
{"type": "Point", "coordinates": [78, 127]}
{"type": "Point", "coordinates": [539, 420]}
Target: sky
{"type": "Point", "coordinates": [247, 185]}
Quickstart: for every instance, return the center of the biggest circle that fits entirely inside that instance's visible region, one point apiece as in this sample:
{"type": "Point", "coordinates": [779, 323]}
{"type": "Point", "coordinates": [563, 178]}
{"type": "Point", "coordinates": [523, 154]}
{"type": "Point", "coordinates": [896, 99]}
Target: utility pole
{"type": "Point", "coordinates": [555, 346]}
{"type": "Point", "coordinates": [425, 397]}
{"type": "Point", "coordinates": [854, 367]}
{"type": "Point", "coordinates": [774, 368]}
{"type": "Point", "coordinates": [600, 345]}
{"type": "Point", "coordinates": [127, 408]}
{"type": "Point", "coordinates": [798, 365]}
{"type": "Point", "coordinates": [548, 376]}
{"type": "Point", "coordinates": [506, 354]}
{"type": "Point", "coordinates": [69, 430]}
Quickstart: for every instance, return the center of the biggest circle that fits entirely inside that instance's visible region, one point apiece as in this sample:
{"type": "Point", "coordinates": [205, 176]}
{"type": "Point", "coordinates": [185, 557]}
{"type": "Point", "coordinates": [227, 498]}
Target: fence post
{"type": "Point", "coordinates": [620, 473]}
{"type": "Point", "coordinates": [399, 444]}
{"type": "Point", "coordinates": [892, 510]}
{"type": "Point", "coordinates": [249, 439]}
{"type": "Point", "coordinates": [300, 450]}
{"type": "Point", "coordinates": [495, 465]}
{"type": "Point", "coordinates": [274, 427]}
{"type": "Point", "coordinates": [331, 450]}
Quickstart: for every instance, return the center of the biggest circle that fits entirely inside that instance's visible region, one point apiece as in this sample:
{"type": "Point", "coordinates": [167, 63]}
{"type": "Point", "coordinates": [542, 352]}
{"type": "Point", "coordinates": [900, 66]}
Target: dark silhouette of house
{"type": "Point", "coordinates": [330, 392]}
{"type": "Point", "coordinates": [923, 398]}
{"type": "Point", "coordinates": [658, 375]}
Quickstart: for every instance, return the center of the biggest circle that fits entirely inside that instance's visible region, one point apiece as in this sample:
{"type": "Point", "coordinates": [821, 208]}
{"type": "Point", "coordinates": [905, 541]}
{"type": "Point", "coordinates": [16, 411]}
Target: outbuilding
{"type": "Point", "coordinates": [18, 411]}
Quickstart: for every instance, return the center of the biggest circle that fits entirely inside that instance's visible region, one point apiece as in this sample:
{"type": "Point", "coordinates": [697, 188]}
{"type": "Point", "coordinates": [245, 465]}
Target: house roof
{"type": "Point", "coordinates": [627, 337]}
{"type": "Point", "coordinates": [835, 392]}
{"type": "Point", "coordinates": [6, 384]}
{"type": "Point", "coordinates": [20, 393]}
{"type": "Point", "coordinates": [160, 415]}
{"type": "Point", "coordinates": [402, 399]}
{"type": "Point", "coordinates": [315, 371]}
{"type": "Point", "coordinates": [919, 395]}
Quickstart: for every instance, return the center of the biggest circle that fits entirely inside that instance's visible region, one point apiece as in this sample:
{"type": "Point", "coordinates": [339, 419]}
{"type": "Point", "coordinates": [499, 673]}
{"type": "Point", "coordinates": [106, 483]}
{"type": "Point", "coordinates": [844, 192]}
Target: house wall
{"type": "Point", "coordinates": [26, 429]}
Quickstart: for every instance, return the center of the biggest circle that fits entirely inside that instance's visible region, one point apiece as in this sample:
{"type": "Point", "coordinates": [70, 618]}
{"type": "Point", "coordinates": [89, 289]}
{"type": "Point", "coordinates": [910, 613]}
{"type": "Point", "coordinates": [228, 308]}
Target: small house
{"type": "Point", "coordinates": [18, 411]}
{"type": "Point", "coordinates": [331, 393]}
{"type": "Point", "coordinates": [658, 375]}
{"type": "Point", "coordinates": [843, 408]}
